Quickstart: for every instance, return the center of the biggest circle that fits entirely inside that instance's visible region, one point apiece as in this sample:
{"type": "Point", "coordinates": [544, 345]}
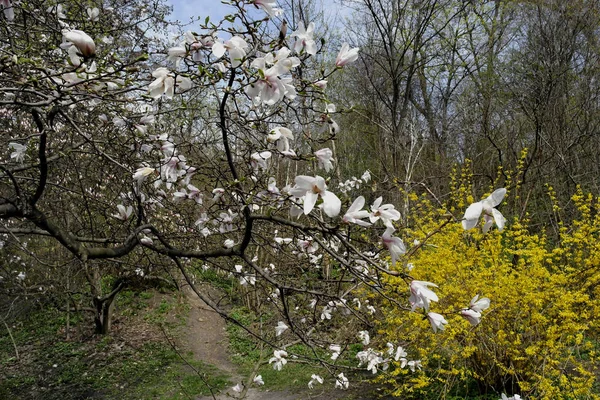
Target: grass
{"type": "Point", "coordinates": [134, 362]}
{"type": "Point", "coordinates": [246, 353]}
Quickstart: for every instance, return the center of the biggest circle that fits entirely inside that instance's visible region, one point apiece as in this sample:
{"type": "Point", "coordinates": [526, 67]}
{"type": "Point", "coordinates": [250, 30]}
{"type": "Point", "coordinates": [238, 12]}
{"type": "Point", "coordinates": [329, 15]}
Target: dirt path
{"type": "Point", "coordinates": [205, 336]}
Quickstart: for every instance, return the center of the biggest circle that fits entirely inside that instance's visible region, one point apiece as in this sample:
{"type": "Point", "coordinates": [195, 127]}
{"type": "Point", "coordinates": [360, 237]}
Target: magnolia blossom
{"type": "Point", "coordinates": [278, 360]}
{"type": "Point", "coordinates": [238, 388]}
{"type": "Point", "coordinates": [437, 321]}
{"type": "Point", "coordinates": [325, 158]}
{"type": "Point", "coordinates": [259, 160]}
{"type": "Point", "coordinates": [515, 397]}
{"type": "Point", "coordinates": [93, 13]}
{"type": "Point", "coordinates": [346, 55]}
{"type": "Point", "coordinates": [236, 46]}
{"type": "Point", "coordinates": [394, 244]}
{"type": "Point", "coordinates": [280, 328]}
{"type": "Point", "coordinates": [19, 151]}
{"type": "Point", "coordinates": [387, 213]}
{"type": "Point", "coordinates": [142, 173]}
{"type": "Point", "coordinates": [310, 188]}
{"type": "Point", "coordinates": [314, 379]}
{"type": "Point", "coordinates": [364, 337]}
{"type": "Point", "coordinates": [472, 316]}
{"type": "Point", "coordinates": [271, 87]}
{"type": "Point", "coordinates": [304, 40]}
{"type": "Point", "coordinates": [478, 304]}
{"type": "Point", "coordinates": [414, 364]}
{"type": "Point", "coordinates": [355, 213]}
{"type": "Point", "coordinates": [372, 359]}
{"type": "Point", "coordinates": [217, 193]}
{"type": "Point", "coordinates": [490, 214]}
{"type": "Point", "coordinates": [336, 350]}
{"type": "Point", "coordinates": [165, 83]}
{"type": "Point", "coordinates": [258, 380]}
{"type": "Point", "coordinates": [282, 137]}
{"type": "Point", "coordinates": [421, 295]}
{"type": "Point", "coordinates": [228, 243]}
{"type": "Point", "coordinates": [81, 40]}
{"type": "Point", "coordinates": [123, 213]}
{"type": "Point", "coordinates": [269, 6]}
{"type": "Point", "coordinates": [21, 276]}
{"type": "Point", "coordinates": [9, 12]}
{"type": "Point", "coordinates": [341, 381]}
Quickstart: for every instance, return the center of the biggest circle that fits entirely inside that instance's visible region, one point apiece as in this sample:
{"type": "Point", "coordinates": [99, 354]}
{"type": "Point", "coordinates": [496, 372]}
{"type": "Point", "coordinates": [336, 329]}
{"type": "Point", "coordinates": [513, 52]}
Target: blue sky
{"type": "Point", "coordinates": [184, 9]}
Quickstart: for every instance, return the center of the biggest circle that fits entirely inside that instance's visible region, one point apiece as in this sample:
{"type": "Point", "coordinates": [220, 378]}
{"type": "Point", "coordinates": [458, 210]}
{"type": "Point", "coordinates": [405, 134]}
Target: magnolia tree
{"type": "Point", "coordinates": [211, 153]}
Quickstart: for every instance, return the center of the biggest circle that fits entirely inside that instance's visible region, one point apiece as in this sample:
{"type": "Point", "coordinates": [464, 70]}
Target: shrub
{"type": "Point", "coordinates": [538, 338]}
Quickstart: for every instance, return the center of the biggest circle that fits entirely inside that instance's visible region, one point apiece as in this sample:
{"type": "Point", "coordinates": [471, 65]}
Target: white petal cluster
{"type": "Point", "coordinates": [166, 82]}
{"type": "Point", "coordinates": [278, 360]}
{"type": "Point", "coordinates": [490, 214]}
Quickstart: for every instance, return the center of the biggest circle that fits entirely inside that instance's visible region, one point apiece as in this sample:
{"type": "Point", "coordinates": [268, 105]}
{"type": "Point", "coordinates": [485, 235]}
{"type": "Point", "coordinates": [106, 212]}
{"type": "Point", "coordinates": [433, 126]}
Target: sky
{"type": "Point", "coordinates": [184, 9]}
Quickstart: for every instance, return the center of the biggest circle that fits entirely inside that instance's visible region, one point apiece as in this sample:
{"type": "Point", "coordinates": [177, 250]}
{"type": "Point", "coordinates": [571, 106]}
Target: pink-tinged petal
{"type": "Point", "coordinates": [331, 204]}
{"type": "Point", "coordinates": [472, 215]}
{"type": "Point", "coordinates": [309, 201]}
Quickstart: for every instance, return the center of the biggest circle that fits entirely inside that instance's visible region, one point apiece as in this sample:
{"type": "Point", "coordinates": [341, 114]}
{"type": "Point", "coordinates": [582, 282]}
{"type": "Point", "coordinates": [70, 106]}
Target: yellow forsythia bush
{"type": "Point", "coordinates": [540, 335]}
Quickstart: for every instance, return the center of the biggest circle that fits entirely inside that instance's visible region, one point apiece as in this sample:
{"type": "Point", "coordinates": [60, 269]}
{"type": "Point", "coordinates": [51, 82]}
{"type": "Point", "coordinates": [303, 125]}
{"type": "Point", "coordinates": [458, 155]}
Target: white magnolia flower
{"type": "Point", "coordinates": [282, 137]}
{"type": "Point", "coordinates": [165, 83]}
{"type": "Point", "coordinates": [81, 40]}
{"type": "Point", "coordinates": [280, 328]}
{"type": "Point", "coordinates": [515, 397]}
{"type": "Point", "coordinates": [490, 214]}
{"type": "Point", "coordinates": [258, 380]}
{"type": "Point", "coordinates": [414, 364]}
{"type": "Point", "coordinates": [336, 350]}
{"type": "Point", "coordinates": [341, 381]}
{"type": "Point", "coordinates": [400, 353]}
{"type": "Point", "coordinates": [259, 160]}
{"type": "Point", "coordinates": [394, 244]}
{"type": "Point", "coordinates": [217, 193]}
{"type": "Point", "coordinates": [93, 13]}
{"type": "Point", "coordinates": [421, 295]}
{"type": "Point", "coordinates": [364, 337]}
{"type": "Point", "coordinates": [387, 213]}
{"type": "Point", "coordinates": [304, 39]}
{"type": "Point", "coordinates": [325, 158]}
{"type": "Point", "coordinates": [21, 276]}
{"type": "Point", "coordinates": [278, 360]}
{"type": "Point", "coordinates": [478, 304]}
{"type": "Point", "coordinates": [437, 321]}
{"type": "Point", "coordinates": [236, 46]}
{"type": "Point", "coordinates": [142, 173]}
{"type": "Point", "coordinates": [372, 359]}
{"type": "Point", "coordinates": [355, 213]}
{"type": "Point", "coordinates": [238, 388]}
{"type": "Point", "coordinates": [473, 317]}
{"type": "Point", "coordinates": [271, 88]}
{"type": "Point", "coordinates": [269, 6]}
{"type": "Point", "coordinates": [346, 55]}
{"type": "Point", "coordinates": [19, 151]}
{"type": "Point", "coordinates": [366, 176]}
{"type": "Point", "coordinates": [314, 379]}
{"type": "Point", "coordinates": [310, 188]}
{"type": "Point", "coordinates": [58, 10]}
{"type": "Point", "coordinates": [123, 213]}
{"type": "Point", "coordinates": [228, 244]}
